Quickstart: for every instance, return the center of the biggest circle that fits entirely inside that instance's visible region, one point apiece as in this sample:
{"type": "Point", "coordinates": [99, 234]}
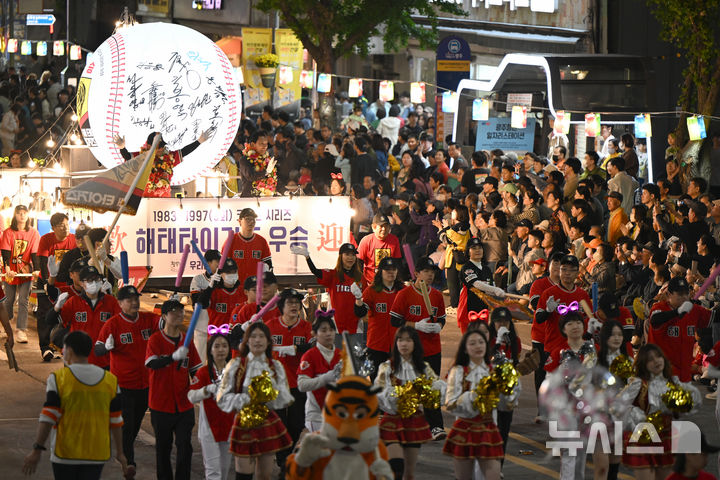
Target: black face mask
{"type": "Point", "coordinates": [555, 158]}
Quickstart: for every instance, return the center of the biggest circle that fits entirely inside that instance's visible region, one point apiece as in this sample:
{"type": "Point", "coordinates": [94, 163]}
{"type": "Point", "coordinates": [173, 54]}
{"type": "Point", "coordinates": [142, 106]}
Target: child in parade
{"type": "Point", "coordinates": [214, 425]}
{"type": "Point", "coordinates": [255, 447]}
{"type": "Point", "coordinates": [199, 283]}
{"type": "Point", "coordinates": [256, 300]}
{"type": "Point", "coordinates": [319, 366]}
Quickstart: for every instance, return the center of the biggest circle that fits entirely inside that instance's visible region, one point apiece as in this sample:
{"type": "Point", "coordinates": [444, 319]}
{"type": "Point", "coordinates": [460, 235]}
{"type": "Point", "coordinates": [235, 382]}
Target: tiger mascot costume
{"type": "Point", "coordinates": [348, 446]}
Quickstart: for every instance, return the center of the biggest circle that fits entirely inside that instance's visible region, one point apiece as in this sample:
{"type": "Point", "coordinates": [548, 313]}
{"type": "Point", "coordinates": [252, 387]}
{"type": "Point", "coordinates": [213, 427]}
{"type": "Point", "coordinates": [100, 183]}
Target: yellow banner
{"type": "Point", "coordinates": [290, 51]}
{"type": "Point", "coordinates": [256, 41]}
{"type": "Point", "coordinates": [453, 66]}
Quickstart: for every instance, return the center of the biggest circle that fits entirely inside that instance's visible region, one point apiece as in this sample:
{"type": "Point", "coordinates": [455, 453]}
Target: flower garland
{"type": "Point", "coordinates": [161, 173]}
{"type": "Point", "coordinates": [266, 185]}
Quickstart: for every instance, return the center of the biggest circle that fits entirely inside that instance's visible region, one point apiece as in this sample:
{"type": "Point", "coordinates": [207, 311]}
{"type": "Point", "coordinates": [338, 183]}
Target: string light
{"type": "Point", "coordinates": [74, 117]}
{"type": "Point", "coordinates": [73, 137]}
{"type": "Point", "coordinates": [50, 143]}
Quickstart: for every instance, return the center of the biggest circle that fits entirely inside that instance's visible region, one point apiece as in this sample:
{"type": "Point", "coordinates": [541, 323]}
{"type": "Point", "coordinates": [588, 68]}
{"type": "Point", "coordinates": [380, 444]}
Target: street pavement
{"type": "Point", "coordinates": [526, 457]}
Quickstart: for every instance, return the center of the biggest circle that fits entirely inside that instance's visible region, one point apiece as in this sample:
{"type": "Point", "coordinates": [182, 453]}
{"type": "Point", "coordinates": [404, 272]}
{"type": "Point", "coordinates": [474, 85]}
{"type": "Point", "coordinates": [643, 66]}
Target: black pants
{"type": "Point", "coordinates": [504, 420]}
{"type": "Point", "coordinates": [540, 371]}
{"type": "Point", "coordinates": [434, 416]}
{"type": "Point", "coordinates": [293, 417]}
{"type": "Point", "coordinates": [166, 425]}
{"type": "Point", "coordinates": [134, 405]}
{"type": "Point", "coordinates": [377, 358]}
{"type": "Point", "coordinates": [63, 471]}
{"type": "Point", "coordinates": [453, 283]}
{"type": "Point", "coordinates": [43, 307]}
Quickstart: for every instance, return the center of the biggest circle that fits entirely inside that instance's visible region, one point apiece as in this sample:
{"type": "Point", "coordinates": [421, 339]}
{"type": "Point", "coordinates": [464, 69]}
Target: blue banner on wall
{"type": "Point", "coordinates": [497, 133]}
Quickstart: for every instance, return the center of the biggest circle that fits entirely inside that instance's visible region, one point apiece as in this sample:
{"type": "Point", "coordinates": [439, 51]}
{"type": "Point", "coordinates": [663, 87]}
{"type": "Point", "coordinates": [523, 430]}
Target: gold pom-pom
{"type": "Point", "coordinates": [677, 399]}
{"type": "Point", "coordinates": [622, 367]}
{"type": "Point", "coordinates": [253, 415]}
{"type": "Point", "coordinates": [408, 400]}
{"type": "Point", "coordinates": [505, 378]}
{"type": "Point", "coordinates": [487, 396]}
{"type": "Point", "coordinates": [261, 389]}
{"type": "Point", "coordinates": [657, 420]}
{"type": "Point", "coordinates": [428, 397]}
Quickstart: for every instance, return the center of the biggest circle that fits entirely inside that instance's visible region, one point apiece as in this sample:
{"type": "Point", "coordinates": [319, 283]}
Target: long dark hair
{"type": "Point", "coordinates": [514, 353]}
{"type": "Point", "coordinates": [379, 286]}
{"type": "Point", "coordinates": [642, 359]}
{"type": "Point", "coordinates": [462, 358]}
{"type": "Point", "coordinates": [245, 349]}
{"type": "Point", "coordinates": [354, 272]}
{"type": "Point", "coordinates": [605, 334]}
{"type": "Point", "coordinates": [14, 222]}
{"type": "Point", "coordinates": [210, 362]}
{"type": "Point", "coordinates": [417, 353]}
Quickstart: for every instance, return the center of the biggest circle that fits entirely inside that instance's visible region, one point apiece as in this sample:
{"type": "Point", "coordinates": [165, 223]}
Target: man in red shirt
{"type": "Point", "coordinates": [171, 364]}
{"type": "Point", "coordinates": [248, 248]}
{"type": "Point", "coordinates": [409, 308]}
{"type": "Point", "coordinates": [52, 248]}
{"type": "Point", "coordinates": [244, 313]}
{"type": "Point", "coordinates": [125, 337]}
{"type": "Point", "coordinates": [673, 324]}
{"type": "Point", "coordinates": [376, 246]}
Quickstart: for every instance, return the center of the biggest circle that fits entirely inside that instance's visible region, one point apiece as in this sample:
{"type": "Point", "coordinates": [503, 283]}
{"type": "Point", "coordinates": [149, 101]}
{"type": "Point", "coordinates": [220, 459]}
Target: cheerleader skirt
{"type": "Point", "coordinates": [474, 438]}
{"type": "Point", "coordinates": [651, 460]}
{"type": "Point", "coordinates": [395, 429]}
{"type": "Point", "coordinates": [270, 437]}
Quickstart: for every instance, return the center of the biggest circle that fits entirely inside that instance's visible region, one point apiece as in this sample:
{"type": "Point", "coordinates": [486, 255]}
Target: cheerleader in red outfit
{"type": "Point", "coordinates": [254, 448]}
{"type": "Point", "coordinates": [214, 426]}
{"type": "Point", "coordinates": [403, 436]}
{"type": "Point", "coordinates": [473, 436]}
{"type": "Point", "coordinates": [642, 396]}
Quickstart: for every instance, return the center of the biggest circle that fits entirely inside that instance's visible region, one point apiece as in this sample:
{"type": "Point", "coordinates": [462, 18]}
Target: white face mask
{"type": "Point", "coordinates": [230, 278]}
{"type": "Point", "coordinates": [588, 252]}
{"type": "Point", "coordinates": [92, 288]}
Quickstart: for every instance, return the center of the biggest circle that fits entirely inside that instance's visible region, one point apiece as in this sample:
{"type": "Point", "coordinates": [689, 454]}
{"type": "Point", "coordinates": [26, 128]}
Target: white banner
{"type": "Point", "coordinates": [158, 233]}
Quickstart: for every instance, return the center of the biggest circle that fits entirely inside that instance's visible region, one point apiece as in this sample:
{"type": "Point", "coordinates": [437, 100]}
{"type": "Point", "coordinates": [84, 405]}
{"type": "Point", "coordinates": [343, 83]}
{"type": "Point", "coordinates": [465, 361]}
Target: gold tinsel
{"type": "Point", "coordinates": [408, 399]}
{"type": "Point", "coordinates": [622, 367]}
{"type": "Point", "coordinates": [677, 399]}
{"type": "Point", "coordinates": [253, 415]}
{"type": "Point", "coordinates": [657, 420]}
{"type": "Point", "coordinates": [261, 389]}
{"type": "Point", "coordinates": [505, 378]}
{"type": "Point", "coordinates": [429, 398]}
{"type": "Point", "coordinates": [488, 396]}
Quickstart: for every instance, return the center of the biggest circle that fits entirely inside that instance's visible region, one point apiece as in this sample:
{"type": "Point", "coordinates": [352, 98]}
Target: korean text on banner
{"type": "Point", "coordinates": [256, 41]}
{"type": "Point", "coordinates": [290, 52]}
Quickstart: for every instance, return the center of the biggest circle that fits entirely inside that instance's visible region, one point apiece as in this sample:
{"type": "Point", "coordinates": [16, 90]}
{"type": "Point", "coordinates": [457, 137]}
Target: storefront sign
{"type": "Point", "coordinates": [521, 99]}
{"type": "Point", "coordinates": [453, 62]}
{"type": "Point", "coordinates": [498, 133]}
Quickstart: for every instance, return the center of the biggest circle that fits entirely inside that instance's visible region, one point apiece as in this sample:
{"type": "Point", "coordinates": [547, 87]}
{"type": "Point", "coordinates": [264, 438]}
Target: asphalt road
{"type": "Point", "coordinates": [23, 396]}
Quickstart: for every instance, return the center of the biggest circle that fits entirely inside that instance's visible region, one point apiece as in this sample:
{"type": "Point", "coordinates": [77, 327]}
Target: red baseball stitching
{"type": "Point", "coordinates": [112, 113]}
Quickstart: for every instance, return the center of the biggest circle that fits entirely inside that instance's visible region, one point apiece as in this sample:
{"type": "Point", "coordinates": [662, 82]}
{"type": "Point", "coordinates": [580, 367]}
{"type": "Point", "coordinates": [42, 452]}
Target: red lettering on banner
{"type": "Point", "coordinates": [116, 239]}
{"type": "Point", "coordinates": [331, 237]}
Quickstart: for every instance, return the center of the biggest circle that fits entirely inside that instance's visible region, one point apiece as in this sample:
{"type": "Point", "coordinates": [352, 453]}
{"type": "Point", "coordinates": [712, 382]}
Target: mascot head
{"type": "Point", "coordinates": [350, 415]}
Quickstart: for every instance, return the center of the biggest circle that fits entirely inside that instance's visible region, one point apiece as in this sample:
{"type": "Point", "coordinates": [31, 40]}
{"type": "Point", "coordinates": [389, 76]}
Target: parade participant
{"type": "Point", "coordinates": [473, 436]}
{"type": "Point", "coordinates": [87, 312]}
{"type": "Point", "coordinates": [79, 398]}
{"type": "Point", "coordinates": [376, 246]}
{"type": "Point", "coordinates": [474, 275]}
{"type": "Point", "coordinates": [378, 298]}
{"type": "Point", "coordinates": [609, 308]}
{"type": "Point", "coordinates": [564, 293]}
{"type": "Point", "coordinates": [244, 313]}
{"type": "Point", "coordinates": [256, 167]}
{"type": "Point", "coordinates": [171, 365]}
{"type": "Point", "coordinates": [76, 253]}
{"type": "Point", "coordinates": [125, 337]}
{"type": "Point", "coordinates": [19, 246]}
{"type": "Point", "coordinates": [641, 397]}
{"type": "Point", "coordinates": [52, 247]}
{"type": "Point", "coordinates": [249, 247]}
{"type": "Point", "coordinates": [5, 321]}
{"type": "Point", "coordinates": [319, 366]}
{"type": "Point", "coordinates": [409, 308]}
{"type": "Point", "coordinates": [223, 294]}
{"type": "Point", "coordinates": [198, 284]}
{"type": "Point", "coordinates": [673, 324]}
{"type": "Point", "coordinates": [214, 424]}
{"type": "Point", "coordinates": [342, 283]}
{"type": "Point", "coordinates": [109, 264]}
{"type": "Point", "coordinates": [404, 435]}
{"type": "Point", "coordinates": [254, 447]}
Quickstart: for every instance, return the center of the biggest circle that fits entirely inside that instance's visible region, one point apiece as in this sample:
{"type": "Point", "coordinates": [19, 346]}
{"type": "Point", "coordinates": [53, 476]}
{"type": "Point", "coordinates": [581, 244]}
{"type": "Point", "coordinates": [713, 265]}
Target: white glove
{"type": "Point", "coordinates": [312, 448]}
{"type": "Point", "coordinates": [489, 289]}
{"type": "Point", "coordinates": [287, 351]}
{"type": "Point", "coordinates": [252, 320]}
{"type": "Point", "coordinates": [109, 343]}
{"type": "Point", "coordinates": [62, 298]}
{"type": "Point", "coordinates": [300, 250]}
{"type": "Point", "coordinates": [685, 307]}
{"type": "Point", "coordinates": [551, 304]}
{"type": "Point", "coordinates": [381, 469]}
{"type": "Point", "coordinates": [356, 290]}
{"type": "Point", "coordinates": [215, 278]}
{"type": "Point", "coordinates": [502, 335]}
{"type": "Point", "coordinates": [52, 266]}
{"type": "Point", "coordinates": [180, 354]}
{"type": "Point", "coordinates": [360, 327]}
{"type": "Point", "coordinates": [106, 286]}
{"type": "Point", "coordinates": [425, 326]}
{"type": "Point", "coordinates": [101, 254]}
{"type": "Point", "coordinates": [594, 325]}
{"type": "Point", "coordinates": [211, 389]}
{"type": "Point", "coordinates": [271, 165]}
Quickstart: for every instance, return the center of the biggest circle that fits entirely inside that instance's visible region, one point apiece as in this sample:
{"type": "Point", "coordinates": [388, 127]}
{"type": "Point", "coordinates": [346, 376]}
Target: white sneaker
{"type": "Point", "coordinates": [439, 433]}
{"type": "Point", "coordinates": [21, 336]}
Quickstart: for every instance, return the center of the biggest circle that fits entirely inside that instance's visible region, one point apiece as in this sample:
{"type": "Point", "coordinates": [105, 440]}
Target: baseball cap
{"type": "Point", "coordinates": [491, 180]}
{"type": "Point", "coordinates": [699, 208]}
{"type": "Point", "coordinates": [89, 272]}
{"type": "Point", "coordinates": [425, 263]}
{"type": "Point", "coordinates": [21, 207]}
{"type": "Point", "coordinates": [616, 195]}
{"type": "Point", "coordinates": [388, 263]}
{"type": "Point", "coordinates": [250, 282]}
{"type": "Point", "coordinates": [248, 212]}
{"type": "Point", "coordinates": [348, 248]}
{"type": "Point", "coordinates": [171, 305]}
{"type": "Point", "coordinates": [127, 291]}
{"type": "Point", "coordinates": [678, 285]}
{"type": "Point", "coordinates": [570, 260]}
{"type": "Point", "coordinates": [380, 219]}
{"type": "Point", "coordinates": [404, 196]}
{"type": "Point", "coordinates": [212, 254]}
{"type": "Point", "coordinates": [473, 242]}
{"type": "Point", "coordinates": [510, 188]}
{"type": "Point", "coordinates": [609, 304]}
{"type": "Point", "coordinates": [539, 261]}
{"type": "Point", "coordinates": [229, 266]}
{"type": "Point", "coordinates": [525, 223]}
{"type": "Point", "coordinates": [501, 313]}
{"type": "Point", "coordinates": [78, 265]}
{"type": "Point", "coordinates": [332, 150]}
{"type": "Point", "coordinates": [651, 247]}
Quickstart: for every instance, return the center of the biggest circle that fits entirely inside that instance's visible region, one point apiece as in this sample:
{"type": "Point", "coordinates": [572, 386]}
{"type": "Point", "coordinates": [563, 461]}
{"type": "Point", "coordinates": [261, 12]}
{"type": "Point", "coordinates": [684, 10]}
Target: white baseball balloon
{"type": "Point", "coordinates": [160, 77]}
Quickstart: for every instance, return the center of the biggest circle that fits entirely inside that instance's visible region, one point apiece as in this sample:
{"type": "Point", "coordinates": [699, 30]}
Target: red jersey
{"type": "Point", "coordinates": [79, 314]}
{"type": "Point", "coordinates": [537, 330]}
{"type": "Point", "coordinates": [21, 244]}
{"type": "Point", "coordinates": [247, 253]}
{"type": "Point", "coordinates": [713, 356]}
{"type": "Point", "coordinates": [371, 250]}
{"type": "Point", "coordinates": [313, 364]}
{"type": "Point", "coordinates": [676, 337]}
{"type": "Point", "coordinates": [409, 306]}
{"type": "Point", "coordinates": [342, 300]}
{"type": "Point", "coordinates": [222, 303]}
{"type": "Point", "coordinates": [49, 245]}
{"type": "Point", "coordinates": [2, 294]}
{"type": "Point", "coordinates": [242, 313]}
{"type": "Point", "coordinates": [169, 385]}
{"type": "Point", "coordinates": [282, 335]}
{"type": "Point", "coordinates": [553, 338]}
{"type": "Point", "coordinates": [127, 358]}
{"type": "Point", "coordinates": [380, 333]}
{"type": "Point", "coordinates": [220, 422]}
{"type": "Point", "coordinates": [702, 475]}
